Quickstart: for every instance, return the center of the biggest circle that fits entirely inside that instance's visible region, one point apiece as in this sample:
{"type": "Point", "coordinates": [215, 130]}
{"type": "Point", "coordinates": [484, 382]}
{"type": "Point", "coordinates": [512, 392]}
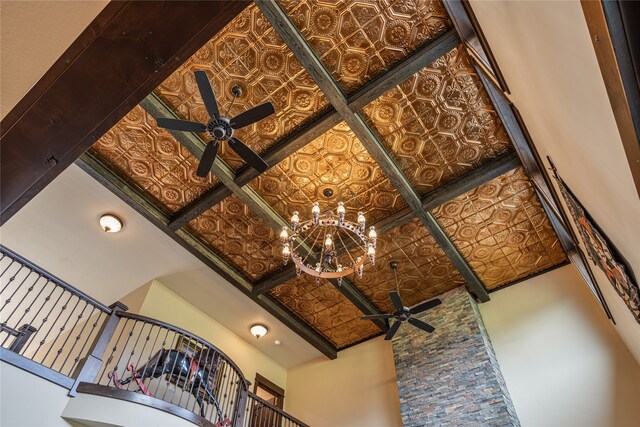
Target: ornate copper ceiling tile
{"type": "Point", "coordinates": [325, 309]}
{"type": "Point", "coordinates": [153, 161]}
{"type": "Point", "coordinates": [359, 39]}
{"type": "Point", "coordinates": [248, 54]}
{"type": "Point", "coordinates": [235, 233]}
{"type": "Point", "coordinates": [335, 161]}
{"type": "Point", "coordinates": [502, 230]}
{"type": "Point", "coordinates": [424, 270]}
{"type": "Point", "coordinates": [439, 124]}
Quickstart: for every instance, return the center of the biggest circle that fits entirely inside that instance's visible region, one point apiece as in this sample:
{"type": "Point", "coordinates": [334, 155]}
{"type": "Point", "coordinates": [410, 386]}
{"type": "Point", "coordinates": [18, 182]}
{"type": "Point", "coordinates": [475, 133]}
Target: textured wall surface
{"type": "Point", "coordinates": [451, 377]}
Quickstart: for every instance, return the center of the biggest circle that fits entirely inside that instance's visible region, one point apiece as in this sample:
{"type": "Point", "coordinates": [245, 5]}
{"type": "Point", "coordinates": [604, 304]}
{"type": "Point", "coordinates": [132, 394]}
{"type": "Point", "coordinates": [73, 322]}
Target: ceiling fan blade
{"type": "Point", "coordinates": [392, 330]}
{"type": "Point", "coordinates": [248, 155]}
{"type": "Point", "coordinates": [425, 306]}
{"type": "Point", "coordinates": [207, 159]}
{"type": "Point", "coordinates": [420, 324]}
{"type": "Point", "coordinates": [376, 316]}
{"type": "Point", "coordinates": [253, 115]}
{"type": "Point", "coordinates": [183, 125]}
{"type": "Point", "coordinates": [395, 299]}
{"type": "Point", "coordinates": [206, 92]}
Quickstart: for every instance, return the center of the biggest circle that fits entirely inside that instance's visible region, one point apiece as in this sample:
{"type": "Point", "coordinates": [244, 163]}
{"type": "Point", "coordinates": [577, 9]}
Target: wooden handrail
{"type": "Point", "coordinates": [274, 408]}
{"type": "Point", "coordinates": [54, 279]}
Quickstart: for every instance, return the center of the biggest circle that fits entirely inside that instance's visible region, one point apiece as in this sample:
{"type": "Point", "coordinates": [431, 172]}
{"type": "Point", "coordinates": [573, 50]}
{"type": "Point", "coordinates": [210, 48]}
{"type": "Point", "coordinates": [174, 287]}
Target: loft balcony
{"type": "Point", "coordinates": [54, 331]}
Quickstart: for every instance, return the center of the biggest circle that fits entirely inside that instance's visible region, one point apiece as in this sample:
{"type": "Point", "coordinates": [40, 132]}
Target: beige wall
{"type": "Point", "coordinates": [18, 396]}
{"type": "Point", "coordinates": [563, 362]}
{"type": "Point", "coordinates": [33, 35]}
{"type": "Point", "coordinates": [358, 389]}
{"type": "Point", "coordinates": [163, 304]}
{"type": "Point", "coordinates": [545, 53]}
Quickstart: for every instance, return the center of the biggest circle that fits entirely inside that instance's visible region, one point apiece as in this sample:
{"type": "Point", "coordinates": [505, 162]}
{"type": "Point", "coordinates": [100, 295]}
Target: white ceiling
{"type": "Point", "coordinates": [33, 35]}
{"type": "Point", "coordinates": [59, 231]}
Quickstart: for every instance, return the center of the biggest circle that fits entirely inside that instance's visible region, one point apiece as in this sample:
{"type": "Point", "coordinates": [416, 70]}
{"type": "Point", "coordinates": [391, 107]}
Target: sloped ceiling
{"type": "Point", "coordinates": [438, 126]}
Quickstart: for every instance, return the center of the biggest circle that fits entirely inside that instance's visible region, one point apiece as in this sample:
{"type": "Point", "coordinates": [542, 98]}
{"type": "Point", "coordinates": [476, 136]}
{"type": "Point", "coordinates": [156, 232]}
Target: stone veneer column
{"type": "Point", "coordinates": [451, 377]}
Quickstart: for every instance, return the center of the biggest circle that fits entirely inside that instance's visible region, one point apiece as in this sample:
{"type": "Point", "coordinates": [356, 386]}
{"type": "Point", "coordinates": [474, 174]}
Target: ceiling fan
{"type": "Point", "coordinates": [403, 313]}
{"type": "Point", "coordinates": [221, 128]}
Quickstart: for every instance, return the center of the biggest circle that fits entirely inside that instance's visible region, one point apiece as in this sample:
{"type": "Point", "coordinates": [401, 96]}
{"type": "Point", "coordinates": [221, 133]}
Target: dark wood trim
{"type": "Point", "coordinates": [316, 69]}
{"type": "Point", "coordinates": [271, 387]}
{"type": "Point", "coordinates": [143, 399]}
{"type": "Point", "coordinates": [130, 196]}
{"type": "Point", "coordinates": [79, 98]}
{"type": "Point", "coordinates": [615, 39]}
{"type": "Point", "coordinates": [35, 368]}
{"type": "Point", "coordinates": [297, 422]}
{"type": "Point", "coordinates": [521, 140]}
{"type": "Point", "coordinates": [467, 25]}
{"type": "Point", "coordinates": [407, 67]}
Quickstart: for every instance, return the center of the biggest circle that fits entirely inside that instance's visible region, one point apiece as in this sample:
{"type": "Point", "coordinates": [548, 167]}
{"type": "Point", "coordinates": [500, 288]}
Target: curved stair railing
{"type": "Point", "coordinates": [55, 331]}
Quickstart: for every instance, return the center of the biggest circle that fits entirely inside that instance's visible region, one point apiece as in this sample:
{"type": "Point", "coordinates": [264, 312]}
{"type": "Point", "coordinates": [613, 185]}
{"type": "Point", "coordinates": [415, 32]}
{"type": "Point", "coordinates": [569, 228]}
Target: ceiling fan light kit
{"type": "Point", "coordinates": [403, 313]}
{"type": "Point", "coordinates": [220, 128]}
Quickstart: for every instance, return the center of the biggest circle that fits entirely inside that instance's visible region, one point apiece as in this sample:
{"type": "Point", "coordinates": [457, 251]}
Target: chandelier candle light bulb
{"type": "Point", "coordinates": [331, 247]}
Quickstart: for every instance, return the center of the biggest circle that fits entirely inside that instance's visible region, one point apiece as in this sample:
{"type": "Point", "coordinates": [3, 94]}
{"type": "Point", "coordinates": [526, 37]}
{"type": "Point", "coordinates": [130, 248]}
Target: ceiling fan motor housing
{"type": "Point", "coordinates": [220, 129]}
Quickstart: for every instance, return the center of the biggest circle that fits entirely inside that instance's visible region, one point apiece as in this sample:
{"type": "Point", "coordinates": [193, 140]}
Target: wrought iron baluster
{"type": "Point", "coordinates": [70, 331]}
{"type": "Point", "coordinates": [44, 340]}
{"type": "Point", "coordinates": [28, 309]}
{"type": "Point", "coordinates": [81, 351]}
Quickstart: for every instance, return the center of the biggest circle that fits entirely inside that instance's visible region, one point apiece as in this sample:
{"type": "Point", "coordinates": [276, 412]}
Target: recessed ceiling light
{"type": "Point", "coordinates": [277, 342]}
{"type": "Point", "coordinates": [110, 223]}
{"type": "Point", "coordinates": [258, 330]}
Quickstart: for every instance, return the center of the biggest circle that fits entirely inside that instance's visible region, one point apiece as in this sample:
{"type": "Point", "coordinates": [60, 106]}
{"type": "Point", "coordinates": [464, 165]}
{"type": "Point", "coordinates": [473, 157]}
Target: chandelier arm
{"type": "Point", "coordinates": [312, 246]}
{"type": "Point", "coordinates": [301, 242]}
{"type": "Point", "coordinates": [345, 248]}
{"type": "Point", "coordinates": [324, 237]}
{"type": "Point", "coordinates": [364, 241]}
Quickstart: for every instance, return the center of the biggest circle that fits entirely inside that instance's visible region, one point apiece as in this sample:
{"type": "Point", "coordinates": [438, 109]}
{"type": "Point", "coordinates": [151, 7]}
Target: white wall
{"type": "Point", "coordinates": [546, 55]}
{"type": "Point", "coordinates": [358, 389]}
{"type": "Point", "coordinates": [562, 360]}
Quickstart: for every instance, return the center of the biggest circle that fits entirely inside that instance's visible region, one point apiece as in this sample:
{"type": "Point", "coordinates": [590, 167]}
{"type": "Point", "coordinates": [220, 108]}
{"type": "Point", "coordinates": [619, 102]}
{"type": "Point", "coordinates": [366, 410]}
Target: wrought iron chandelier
{"type": "Point", "coordinates": [328, 246]}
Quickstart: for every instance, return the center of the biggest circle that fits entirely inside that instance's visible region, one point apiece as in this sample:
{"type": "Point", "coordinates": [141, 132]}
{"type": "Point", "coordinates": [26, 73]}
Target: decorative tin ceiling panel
{"type": "Point", "coordinates": [359, 39]}
{"type": "Point", "coordinates": [336, 161]}
{"type": "Point", "coordinates": [439, 123]}
{"type": "Point", "coordinates": [502, 230]}
{"type": "Point", "coordinates": [325, 309]}
{"type": "Point", "coordinates": [249, 54]}
{"type": "Point", "coordinates": [152, 160]}
{"type": "Point", "coordinates": [233, 231]}
{"type": "Point", "coordinates": [424, 271]}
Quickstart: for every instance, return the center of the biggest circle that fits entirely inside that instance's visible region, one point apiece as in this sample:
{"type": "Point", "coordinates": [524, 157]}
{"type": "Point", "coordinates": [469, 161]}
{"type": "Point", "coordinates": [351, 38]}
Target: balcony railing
{"type": "Point", "coordinates": [260, 413]}
{"type": "Point", "coordinates": [53, 330]}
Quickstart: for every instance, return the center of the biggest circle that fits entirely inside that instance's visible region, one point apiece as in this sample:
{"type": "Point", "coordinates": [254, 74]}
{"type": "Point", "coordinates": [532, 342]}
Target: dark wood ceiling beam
{"type": "Point", "coordinates": [80, 98]}
{"type": "Point", "coordinates": [449, 191]}
{"type": "Point", "coordinates": [192, 142]}
{"type": "Point", "coordinates": [404, 69]}
{"type": "Point", "coordinates": [314, 66]}
{"type": "Point", "coordinates": [473, 179]}
{"type": "Point", "coordinates": [416, 61]}
{"type": "Point", "coordinates": [138, 202]}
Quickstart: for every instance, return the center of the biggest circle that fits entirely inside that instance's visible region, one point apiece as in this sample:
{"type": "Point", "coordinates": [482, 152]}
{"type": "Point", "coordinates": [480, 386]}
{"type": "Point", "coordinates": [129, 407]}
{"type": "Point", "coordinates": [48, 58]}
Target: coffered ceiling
{"type": "Point", "coordinates": [438, 127]}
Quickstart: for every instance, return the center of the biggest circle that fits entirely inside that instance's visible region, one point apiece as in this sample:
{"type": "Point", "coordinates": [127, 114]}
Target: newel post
{"type": "Point", "coordinates": [87, 370]}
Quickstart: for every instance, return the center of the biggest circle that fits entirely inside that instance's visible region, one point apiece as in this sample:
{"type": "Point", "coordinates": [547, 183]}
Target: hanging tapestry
{"type": "Point", "coordinates": [601, 252]}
